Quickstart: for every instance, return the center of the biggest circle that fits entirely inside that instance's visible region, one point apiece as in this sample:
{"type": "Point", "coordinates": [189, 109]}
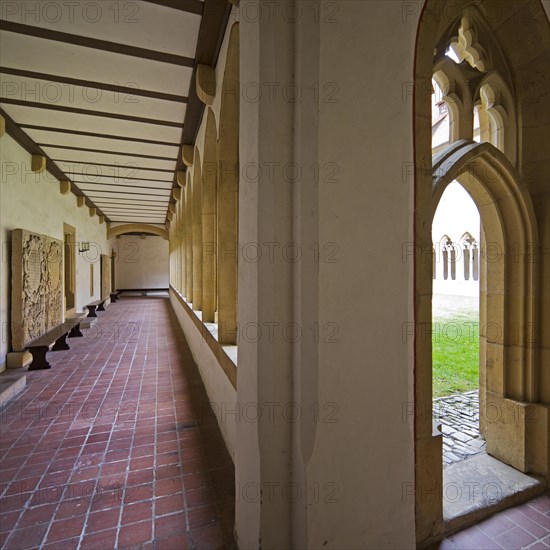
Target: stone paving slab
{"type": "Point", "coordinates": [458, 416]}
{"type": "Point", "coordinates": [481, 482]}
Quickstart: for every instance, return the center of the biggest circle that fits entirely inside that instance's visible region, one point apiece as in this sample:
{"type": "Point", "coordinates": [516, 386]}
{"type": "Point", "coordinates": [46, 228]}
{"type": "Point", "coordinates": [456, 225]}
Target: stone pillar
{"type": "Point", "coordinates": [361, 448]}
{"type": "Point", "coordinates": [182, 247]}
{"type": "Point", "coordinates": [209, 252]}
{"type": "Point", "coordinates": [263, 446]}
{"type": "Point", "coordinates": [174, 253]}
{"type": "Point", "coordinates": [466, 254]}
{"type": "Point", "coordinates": [453, 263]}
{"type": "Point", "coordinates": [334, 460]}
{"type": "Point", "coordinates": [228, 194]}
{"type": "Point", "coordinates": [197, 234]}
{"type": "Point", "coordinates": [189, 238]}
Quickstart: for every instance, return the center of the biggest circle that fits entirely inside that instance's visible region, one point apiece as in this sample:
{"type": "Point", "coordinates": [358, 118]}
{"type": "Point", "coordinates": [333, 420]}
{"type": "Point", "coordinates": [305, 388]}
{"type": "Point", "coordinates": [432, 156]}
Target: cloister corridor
{"type": "Point", "coordinates": [225, 225]}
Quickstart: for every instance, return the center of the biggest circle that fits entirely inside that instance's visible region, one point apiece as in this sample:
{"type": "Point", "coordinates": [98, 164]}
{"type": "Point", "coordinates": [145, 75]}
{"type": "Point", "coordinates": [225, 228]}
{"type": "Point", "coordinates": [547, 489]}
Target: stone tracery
{"type": "Point", "coordinates": [473, 86]}
{"type": "Point", "coordinates": [467, 48]}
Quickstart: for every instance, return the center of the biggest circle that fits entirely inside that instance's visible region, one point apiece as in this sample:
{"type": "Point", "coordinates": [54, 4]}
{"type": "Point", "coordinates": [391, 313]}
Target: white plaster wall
{"type": "Point", "coordinates": [33, 202]}
{"type": "Point", "coordinates": [140, 263]}
{"type": "Point", "coordinates": [363, 457]}
{"type": "Point", "coordinates": [265, 458]}
{"type": "Point", "coordinates": [221, 394]}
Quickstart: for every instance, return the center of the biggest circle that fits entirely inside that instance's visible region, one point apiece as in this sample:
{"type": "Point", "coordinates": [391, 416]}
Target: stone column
{"type": "Point", "coordinates": [263, 462]}
{"type": "Point", "coordinates": [182, 242]}
{"type": "Point", "coordinates": [197, 234]}
{"type": "Point", "coordinates": [228, 194]}
{"type": "Point", "coordinates": [189, 237]}
{"type": "Point", "coordinates": [335, 458]}
{"type": "Point", "coordinates": [209, 252]}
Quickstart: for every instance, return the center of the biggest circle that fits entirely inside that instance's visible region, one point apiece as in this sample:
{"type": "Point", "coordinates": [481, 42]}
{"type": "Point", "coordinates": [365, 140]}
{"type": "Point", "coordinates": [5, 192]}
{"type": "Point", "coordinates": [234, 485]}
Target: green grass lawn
{"type": "Point", "coordinates": [455, 355]}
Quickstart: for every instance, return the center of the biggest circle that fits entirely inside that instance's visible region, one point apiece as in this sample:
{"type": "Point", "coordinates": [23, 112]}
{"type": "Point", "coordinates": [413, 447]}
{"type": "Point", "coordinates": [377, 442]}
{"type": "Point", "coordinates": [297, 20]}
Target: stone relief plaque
{"type": "Point", "coordinates": [37, 286]}
{"type": "Point", "coordinates": [105, 276]}
{"type": "Point", "coordinates": [54, 283]}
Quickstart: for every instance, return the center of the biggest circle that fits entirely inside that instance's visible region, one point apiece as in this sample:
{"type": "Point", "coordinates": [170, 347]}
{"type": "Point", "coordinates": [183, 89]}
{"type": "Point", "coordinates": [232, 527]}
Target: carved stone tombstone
{"type": "Point", "coordinates": [105, 276]}
{"type": "Point", "coordinates": [37, 286]}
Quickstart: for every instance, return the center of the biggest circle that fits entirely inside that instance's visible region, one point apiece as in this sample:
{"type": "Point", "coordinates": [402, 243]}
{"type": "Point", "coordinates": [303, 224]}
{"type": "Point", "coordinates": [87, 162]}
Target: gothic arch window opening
{"type": "Point", "coordinates": [488, 170]}
{"type": "Point", "coordinates": [470, 253]}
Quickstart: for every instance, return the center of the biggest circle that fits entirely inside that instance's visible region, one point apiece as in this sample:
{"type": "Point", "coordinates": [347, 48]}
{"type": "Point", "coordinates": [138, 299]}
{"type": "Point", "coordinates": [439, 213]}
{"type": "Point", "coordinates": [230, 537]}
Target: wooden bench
{"type": "Point", "coordinates": [114, 296]}
{"type": "Point", "coordinates": [55, 339]}
{"type": "Point", "coordinates": [98, 304]}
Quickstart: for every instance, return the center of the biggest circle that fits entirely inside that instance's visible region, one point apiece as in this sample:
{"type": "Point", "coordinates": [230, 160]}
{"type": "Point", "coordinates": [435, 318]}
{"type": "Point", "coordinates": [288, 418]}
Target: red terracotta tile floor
{"type": "Point", "coordinates": [525, 526]}
{"type": "Point", "coordinates": [115, 446]}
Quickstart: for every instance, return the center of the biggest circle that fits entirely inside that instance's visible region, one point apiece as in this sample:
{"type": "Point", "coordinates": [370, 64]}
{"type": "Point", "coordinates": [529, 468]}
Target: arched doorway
{"type": "Point", "coordinates": [507, 284]}
{"type": "Point", "coordinates": [456, 229]}
{"type": "Point", "coordinates": [513, 381]}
